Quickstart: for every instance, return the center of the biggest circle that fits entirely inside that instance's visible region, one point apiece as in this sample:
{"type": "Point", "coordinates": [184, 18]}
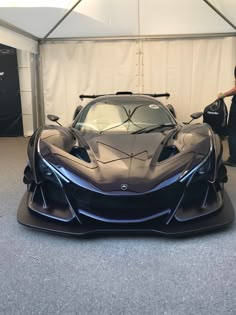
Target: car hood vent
{"type": "Point", "coordinates": [80, 153]}
{"type": "Point", "coordinates": [167, 152]}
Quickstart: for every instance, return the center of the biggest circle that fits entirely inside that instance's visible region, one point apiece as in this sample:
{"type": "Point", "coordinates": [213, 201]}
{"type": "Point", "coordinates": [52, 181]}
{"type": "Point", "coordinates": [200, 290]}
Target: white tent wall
{"type": "Point", "coordinates": [193, 71]}
{"type": "Point", "coordinates": [74, 68]}
{"type": "Point", "coordinates": [16, 40]}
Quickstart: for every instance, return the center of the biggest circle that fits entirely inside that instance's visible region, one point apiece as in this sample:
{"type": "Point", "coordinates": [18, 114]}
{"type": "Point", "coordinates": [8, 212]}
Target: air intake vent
{"type": "Point", "coordinates": [81, 153]}
{"type": "Point", "coordinates": [168, 152]}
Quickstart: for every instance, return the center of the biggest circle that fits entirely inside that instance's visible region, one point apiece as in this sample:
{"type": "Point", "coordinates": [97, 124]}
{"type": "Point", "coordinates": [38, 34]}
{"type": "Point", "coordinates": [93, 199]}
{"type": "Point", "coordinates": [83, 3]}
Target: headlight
{"type": "Point", "coordinates": [202, 168]}
{"type": "Point", "coordinates": [44, 169]}
{"type": "Point", "coordinates": [205, 167]}
{"type": "Point", "coordinates": [51, 173]}
{"type": "Point", "coordinates": [46, 172]}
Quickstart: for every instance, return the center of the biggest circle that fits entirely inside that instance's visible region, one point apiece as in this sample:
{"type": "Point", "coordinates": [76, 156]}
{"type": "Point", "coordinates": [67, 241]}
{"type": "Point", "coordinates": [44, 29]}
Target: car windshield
{"type": "Point", "coordinates": [123, 115]}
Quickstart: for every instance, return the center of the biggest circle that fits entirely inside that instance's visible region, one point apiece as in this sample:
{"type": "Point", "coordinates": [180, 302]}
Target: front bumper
{"type": "Point", "coordinates": [220, 218]}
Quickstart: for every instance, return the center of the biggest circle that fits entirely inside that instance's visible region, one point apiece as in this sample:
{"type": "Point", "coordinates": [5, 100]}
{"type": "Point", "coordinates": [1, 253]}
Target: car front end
{"type": "Point", "coordinates": [169, 182]}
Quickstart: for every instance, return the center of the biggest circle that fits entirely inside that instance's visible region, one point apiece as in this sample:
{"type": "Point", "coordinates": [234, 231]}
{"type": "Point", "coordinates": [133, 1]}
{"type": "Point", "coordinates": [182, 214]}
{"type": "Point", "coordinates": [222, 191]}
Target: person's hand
{"type": "Point", "coordinates": [221, 95]}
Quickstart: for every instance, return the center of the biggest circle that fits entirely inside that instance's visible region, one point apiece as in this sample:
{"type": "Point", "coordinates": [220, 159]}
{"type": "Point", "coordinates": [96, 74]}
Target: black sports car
{"type": "Point", "coordinates": [125, 164]}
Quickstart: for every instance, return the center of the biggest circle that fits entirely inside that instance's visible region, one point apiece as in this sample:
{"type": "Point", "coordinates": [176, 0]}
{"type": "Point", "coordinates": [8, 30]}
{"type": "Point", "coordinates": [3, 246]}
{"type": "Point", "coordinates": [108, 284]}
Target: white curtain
{"type": "Point", "coordinates": [10, 38]}
{"type": "Point", "coordinates": [74, 68]}
{"type": "Point", "coordinates": [192, 71]}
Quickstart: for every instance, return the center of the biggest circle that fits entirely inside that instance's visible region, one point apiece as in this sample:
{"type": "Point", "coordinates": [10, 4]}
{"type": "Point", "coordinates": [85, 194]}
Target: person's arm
{"type": "Point", "coordinates": [228, 93]}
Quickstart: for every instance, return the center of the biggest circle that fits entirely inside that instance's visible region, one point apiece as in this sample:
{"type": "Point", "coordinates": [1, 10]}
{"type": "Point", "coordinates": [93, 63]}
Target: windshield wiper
{"type": "Point", "coordinates": [153, 127]}
{"type": "Point", "coordinates": [113, 127]}
{"type": "Point", "coordinates": [129, 115]}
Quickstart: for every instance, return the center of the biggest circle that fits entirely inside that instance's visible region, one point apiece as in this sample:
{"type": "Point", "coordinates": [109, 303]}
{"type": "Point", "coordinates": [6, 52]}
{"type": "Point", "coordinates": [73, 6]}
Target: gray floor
{"type": "Point", "coordinates": [48, 274]}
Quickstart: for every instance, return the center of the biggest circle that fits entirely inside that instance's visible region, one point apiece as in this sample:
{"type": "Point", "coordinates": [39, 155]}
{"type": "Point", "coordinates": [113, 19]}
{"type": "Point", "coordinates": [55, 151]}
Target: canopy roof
{"type": "Point", "coordinates": [115, 18]}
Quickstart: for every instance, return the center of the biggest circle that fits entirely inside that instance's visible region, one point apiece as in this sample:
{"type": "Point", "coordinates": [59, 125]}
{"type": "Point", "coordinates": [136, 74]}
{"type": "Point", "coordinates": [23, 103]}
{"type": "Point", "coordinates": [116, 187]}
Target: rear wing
{"type": "Point", "coordinates": [82, 96]}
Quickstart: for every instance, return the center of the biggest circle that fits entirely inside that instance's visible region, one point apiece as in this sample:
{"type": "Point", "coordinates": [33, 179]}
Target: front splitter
{"type": "Point", "coordinates": [216, 220]}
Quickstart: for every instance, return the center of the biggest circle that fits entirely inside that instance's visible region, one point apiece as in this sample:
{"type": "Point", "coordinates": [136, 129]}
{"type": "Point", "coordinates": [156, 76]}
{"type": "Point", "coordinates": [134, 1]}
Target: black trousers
{"type": "Point", "coordinates": [232, 130]}
{"type": "Point", "coordinates": [232, 144]}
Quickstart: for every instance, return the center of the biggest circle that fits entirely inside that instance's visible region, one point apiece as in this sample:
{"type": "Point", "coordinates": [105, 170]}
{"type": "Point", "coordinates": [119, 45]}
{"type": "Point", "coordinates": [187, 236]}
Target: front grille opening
{"type": "Point", "coordinates": [49, 200]}
{"type": "Point", "coordinates": [52, 194]}
{"type": "Point", "coordinates": [195, 193]}
{"type": "Point", "coordinates": [198, 201]}
{"type": "Point", "coordinates": [123, 207]}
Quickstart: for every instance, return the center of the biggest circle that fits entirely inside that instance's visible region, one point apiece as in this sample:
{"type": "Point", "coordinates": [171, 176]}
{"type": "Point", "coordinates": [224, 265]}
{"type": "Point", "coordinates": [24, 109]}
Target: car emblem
{"type": "Point", "coordinates": [123, 186]}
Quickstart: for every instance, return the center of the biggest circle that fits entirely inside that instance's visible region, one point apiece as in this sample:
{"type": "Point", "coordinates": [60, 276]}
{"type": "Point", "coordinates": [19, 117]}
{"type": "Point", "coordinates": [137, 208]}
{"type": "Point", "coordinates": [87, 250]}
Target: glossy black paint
{"type": "Point", "coordinates": [154, 181]}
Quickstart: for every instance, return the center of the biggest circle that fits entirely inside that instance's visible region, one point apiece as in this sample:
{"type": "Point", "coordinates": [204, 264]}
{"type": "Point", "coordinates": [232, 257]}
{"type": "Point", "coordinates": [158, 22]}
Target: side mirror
{"type": "Point", "coordinates": [53, 118]}
{"type": "Point", "coordinates": [78, 109]}
{"type": "Point", "coordinates": [196, 115]}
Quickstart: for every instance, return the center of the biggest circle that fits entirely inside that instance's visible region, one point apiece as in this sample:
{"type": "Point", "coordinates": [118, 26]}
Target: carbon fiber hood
{"type": "Point", "coordinates": [129, 162]}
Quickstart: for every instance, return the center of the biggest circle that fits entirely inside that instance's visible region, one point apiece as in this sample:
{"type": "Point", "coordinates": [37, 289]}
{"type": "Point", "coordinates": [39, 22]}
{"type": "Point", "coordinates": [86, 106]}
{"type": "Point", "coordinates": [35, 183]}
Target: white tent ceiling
{"type": "Point", "coordinates": [109, 18]}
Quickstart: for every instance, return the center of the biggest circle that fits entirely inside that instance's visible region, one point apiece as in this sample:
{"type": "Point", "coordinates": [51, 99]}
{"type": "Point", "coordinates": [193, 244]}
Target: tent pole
{"type": "Point", "coordinates": [220, 14]}
{"type": "Point", "coordinates": [142, 37]}
{"type": "Point", "coordinates": [61, 20]}
{"type": "Point", "coordinates": [33, 90]}
{"type": "Point", "coordinates": [41, 112]}
{"type": "Point", "coordinates": [37, 90]}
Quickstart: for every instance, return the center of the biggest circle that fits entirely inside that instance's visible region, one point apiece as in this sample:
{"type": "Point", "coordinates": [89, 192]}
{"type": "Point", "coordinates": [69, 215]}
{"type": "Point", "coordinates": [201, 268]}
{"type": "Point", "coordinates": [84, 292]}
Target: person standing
{"type": "Point", "coordinates": [231, 161]}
